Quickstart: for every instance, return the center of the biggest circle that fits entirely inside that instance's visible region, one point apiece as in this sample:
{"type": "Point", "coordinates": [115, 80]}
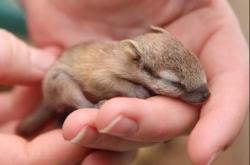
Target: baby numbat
{"type": "Point", "coordinates": [151, 64]}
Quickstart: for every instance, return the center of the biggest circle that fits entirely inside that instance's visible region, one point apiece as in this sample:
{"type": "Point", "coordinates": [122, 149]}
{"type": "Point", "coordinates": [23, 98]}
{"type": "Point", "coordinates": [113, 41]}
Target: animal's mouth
{"type": "Point", "coordinates": [195, 102]}
{"type": "Point", "coordinates": [196, 98]}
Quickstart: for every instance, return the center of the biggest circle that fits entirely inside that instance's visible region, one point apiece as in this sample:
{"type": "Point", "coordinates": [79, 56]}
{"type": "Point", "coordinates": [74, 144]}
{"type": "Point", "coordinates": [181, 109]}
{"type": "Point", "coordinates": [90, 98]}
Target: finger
{"type": "Point", "coordinates": [109, 158]}
{"type": "Point", "coordinates": [205, 19]}
{"type": "Point", "coordinates": [19, 102]}
{"type": "Point", "coordinates": [152, 120]}
{"type": "Point", "coordinates": [79, 128]}
{"type": "Point", "coordinates": [49, 148]}
{"type": "Point", "coordinates": [20, 63]}
{"type": "Point", "coordinates": [9, 127]}
{"type": "Point", "coordinates": [222, 118]}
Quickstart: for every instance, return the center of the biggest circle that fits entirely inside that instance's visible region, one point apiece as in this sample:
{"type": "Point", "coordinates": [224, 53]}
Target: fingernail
{"type": "Point", "coordinates": [213, 157]}
{"type": "Point", "coordinates": [85, 135]}
{"type": "Point", "coordinates": [121, 126]}
{"type": "Point", "coordinates": [41, 60]}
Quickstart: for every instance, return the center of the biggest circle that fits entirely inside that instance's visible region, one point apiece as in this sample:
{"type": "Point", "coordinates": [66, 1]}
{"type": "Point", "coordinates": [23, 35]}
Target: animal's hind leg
{"type": "Point", "coordinates": [61, 89]}
{"type": "Point", "coordinates": [63, 92]}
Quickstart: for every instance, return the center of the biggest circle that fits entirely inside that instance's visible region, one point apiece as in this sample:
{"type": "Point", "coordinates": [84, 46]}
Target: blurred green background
{"type": "Point", "coordinates": [12, 17]}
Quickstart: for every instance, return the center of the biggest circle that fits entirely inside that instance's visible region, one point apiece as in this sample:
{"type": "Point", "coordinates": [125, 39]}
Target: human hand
{"type": "Point", "coordinates": [23, 67]}
{"type": "Point", "coordinates": [207, 27]}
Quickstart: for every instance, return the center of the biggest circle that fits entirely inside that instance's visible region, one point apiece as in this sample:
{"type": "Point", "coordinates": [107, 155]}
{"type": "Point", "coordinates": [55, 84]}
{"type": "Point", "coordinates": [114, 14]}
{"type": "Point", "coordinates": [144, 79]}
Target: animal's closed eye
{"type": "Point", "coordinates": [150, 71]}
{"type": "Point", "coordinates": [147, 69]}
{"type": "Point", "coordinates": [178, 85]}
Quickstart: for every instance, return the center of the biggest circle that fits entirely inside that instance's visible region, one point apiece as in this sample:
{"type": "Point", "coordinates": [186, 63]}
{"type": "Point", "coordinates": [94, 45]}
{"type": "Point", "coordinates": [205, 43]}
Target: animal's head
{"type": "Point", "coordinates": [166, 67]}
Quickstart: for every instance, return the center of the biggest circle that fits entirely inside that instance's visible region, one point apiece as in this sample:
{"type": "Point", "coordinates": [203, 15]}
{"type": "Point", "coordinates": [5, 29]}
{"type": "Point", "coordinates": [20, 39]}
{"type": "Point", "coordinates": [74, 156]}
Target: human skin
{"type": "Point", "coordinates": [207, 27]}
{"type": "Point", "coordinates": [23, 67]}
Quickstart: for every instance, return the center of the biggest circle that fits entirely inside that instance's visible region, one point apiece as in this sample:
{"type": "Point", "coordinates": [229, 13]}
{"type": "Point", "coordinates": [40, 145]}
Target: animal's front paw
{"type": "Point", "coordinates": [141, 92]}
{"type": "Point", "coordinates": [99, 104]}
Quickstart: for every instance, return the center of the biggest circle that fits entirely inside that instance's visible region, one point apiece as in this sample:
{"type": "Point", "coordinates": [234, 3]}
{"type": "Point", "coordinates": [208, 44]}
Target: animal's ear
{"type": "Point", "coordinates": [157, 29]}
{"type": "Point", "coordinates": [132, 48]}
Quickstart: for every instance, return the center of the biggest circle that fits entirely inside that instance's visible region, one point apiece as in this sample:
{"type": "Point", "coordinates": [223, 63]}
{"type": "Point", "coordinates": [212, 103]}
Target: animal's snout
{"type": "Point", "coordinates": [198, 95]}
{"type": "Point", "coordinates": [202, 93]}
{"type": "Point", "coordinates": [205, 95]}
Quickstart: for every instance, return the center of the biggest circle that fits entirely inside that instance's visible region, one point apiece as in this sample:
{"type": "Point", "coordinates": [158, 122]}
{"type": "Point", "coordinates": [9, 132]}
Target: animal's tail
{"type": "Point", "coordinates": [34, 122]}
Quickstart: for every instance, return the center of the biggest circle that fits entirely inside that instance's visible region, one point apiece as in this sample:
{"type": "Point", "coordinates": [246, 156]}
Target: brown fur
{"type": "Point", "coordinates": [91, 72]}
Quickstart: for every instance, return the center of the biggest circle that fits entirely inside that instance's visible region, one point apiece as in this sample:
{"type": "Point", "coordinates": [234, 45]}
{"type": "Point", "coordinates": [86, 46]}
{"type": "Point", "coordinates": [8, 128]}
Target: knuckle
{"type": "Point", "coordinates": [12, 50]}
{"type": "Point", "coordinates": [5, 52]}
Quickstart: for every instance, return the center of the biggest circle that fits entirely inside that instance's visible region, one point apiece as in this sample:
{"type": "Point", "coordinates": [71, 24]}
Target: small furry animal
{"type": "Point", "coordinates": [86, 74]}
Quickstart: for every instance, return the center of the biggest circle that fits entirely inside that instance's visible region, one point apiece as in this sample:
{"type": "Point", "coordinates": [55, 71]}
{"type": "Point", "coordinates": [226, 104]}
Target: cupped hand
{"type": "Point", "coordinates": [207, 27]}
{"type": "Point", "coordinates": [23, 67]}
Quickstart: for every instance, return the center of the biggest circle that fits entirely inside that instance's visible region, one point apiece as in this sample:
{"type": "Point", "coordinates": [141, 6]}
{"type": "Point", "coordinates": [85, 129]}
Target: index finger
{"type": "Point", "coordinates": [19, 63]}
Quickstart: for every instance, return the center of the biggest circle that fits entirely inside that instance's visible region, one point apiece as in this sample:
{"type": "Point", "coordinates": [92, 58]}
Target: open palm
{"type": "Point", "coordinates": [207, 27]}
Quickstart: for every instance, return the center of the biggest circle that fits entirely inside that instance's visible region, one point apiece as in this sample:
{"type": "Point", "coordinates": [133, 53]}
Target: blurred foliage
{"type": "Point", "coordinates": [12, 17]}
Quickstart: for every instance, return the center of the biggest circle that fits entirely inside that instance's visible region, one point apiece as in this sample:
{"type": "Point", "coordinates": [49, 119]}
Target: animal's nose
{"type": "Point", "coordinates": [205, 95]}
{"type": "Point", "coordinates": [202, 93]}
{"type": "Point", "coordinates": [198, 95]}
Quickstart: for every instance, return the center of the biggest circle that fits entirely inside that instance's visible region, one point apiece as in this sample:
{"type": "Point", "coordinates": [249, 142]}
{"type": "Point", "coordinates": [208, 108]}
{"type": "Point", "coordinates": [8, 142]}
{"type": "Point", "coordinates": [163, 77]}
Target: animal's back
{"type": "Point", "coordinates": [90, 65]}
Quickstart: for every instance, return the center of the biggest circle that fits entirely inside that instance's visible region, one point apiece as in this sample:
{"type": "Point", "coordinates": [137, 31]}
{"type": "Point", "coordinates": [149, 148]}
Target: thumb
{"type": "Point", "coordinates": [20, 63]}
